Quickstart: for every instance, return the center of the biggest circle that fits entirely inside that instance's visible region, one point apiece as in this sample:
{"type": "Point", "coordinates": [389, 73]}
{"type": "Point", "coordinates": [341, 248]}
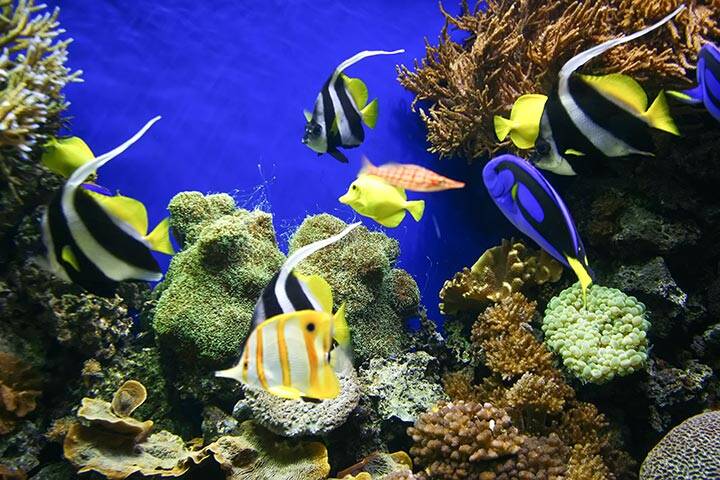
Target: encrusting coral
{"type": "Point", "coordinates": [499, 272]}
{"type": "Point", "coordinates": [518, 47]}
{"type": "Point", "coordinates": [206, 301]}
{"type": "Point", "coordinates": [19, 391]}
{"type": "Point", "coordinates": [690, 451]}
{"type": "Point", "coordinates": [292, 418]}
{"type": "Point", "coordinates": [379, 466]}
{"type": "Point", "coordinates": [360, 270]}
{"type": "Point", "coordinates": [608, 337]}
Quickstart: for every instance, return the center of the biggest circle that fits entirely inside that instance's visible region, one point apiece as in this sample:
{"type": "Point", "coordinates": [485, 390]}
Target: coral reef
{"type": "Point", "coordinates": [498, 273]}
{"type": "Point", "coordinates": [379, 466]}
{"type": "Point", "coordinates": [378, 297]}
{"type": "Point", "coordinates": [205, 305]}
{"type": "Point", "coordinates": [18, 391]}
{"type": "Point", "coordinates": [516, 48]}
{"type": "Point", "coordinates": [461, 440]}
{"type": "Point", "coordinates": [601, 340]}
{"type": "Point", "coordinates": [292, 418]}
{"type": "Point", "coordinates": [401, 388]}
{"type": "Point", "coordinates": [691, 450]}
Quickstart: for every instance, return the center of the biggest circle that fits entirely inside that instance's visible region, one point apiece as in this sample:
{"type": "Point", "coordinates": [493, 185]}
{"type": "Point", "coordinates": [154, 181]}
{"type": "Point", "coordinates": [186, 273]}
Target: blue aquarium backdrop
{"type": "Point", "coordinates": [231, 80]}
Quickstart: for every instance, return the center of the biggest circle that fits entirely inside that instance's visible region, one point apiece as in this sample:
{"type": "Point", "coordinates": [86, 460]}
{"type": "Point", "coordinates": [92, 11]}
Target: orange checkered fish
{"type": "Point", "coordinates": [410, 177]}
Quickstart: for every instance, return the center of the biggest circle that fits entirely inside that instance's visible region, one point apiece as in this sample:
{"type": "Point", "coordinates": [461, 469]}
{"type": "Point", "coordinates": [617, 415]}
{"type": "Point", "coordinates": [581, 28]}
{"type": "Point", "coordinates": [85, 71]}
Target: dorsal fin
{"type": "Point", "coordinates": [83, 172]}
{"type": "Point", "coordinates": [583, 57]}
{"type": "Point", "coordinates": [359, 56]}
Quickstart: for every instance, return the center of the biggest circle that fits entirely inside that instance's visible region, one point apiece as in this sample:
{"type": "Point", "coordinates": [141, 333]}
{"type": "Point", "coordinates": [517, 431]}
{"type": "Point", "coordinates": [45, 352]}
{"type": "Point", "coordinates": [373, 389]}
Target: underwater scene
{"type": "Point", "coordinates": [380, 240]}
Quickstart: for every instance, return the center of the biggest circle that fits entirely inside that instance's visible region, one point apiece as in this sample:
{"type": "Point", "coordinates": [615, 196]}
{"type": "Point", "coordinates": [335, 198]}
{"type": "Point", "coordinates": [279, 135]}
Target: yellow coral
{"type": "Point", "coordinates": [499, 272]}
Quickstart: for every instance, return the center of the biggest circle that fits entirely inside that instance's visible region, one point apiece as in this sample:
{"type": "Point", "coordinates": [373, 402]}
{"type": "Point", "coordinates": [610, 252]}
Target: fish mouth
{"type": "Point", "coordinates": [345, 199]}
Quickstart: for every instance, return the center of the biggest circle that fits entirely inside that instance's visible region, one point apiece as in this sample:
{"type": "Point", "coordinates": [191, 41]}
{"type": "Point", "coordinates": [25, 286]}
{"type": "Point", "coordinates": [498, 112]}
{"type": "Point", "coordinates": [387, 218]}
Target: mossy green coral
{"type": "Point", "coordinates": [360, 271]}
{"type": "Point", "coordinates": [604, 339]}
{"type": "Point", "coordinates": [205, 307]}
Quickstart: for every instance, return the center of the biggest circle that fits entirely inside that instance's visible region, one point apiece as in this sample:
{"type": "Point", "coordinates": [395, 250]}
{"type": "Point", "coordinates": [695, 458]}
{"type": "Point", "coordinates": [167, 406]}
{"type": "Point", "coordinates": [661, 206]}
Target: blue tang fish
{"type": "Point", "coordinates": [707, 91]}
{"type": "Point", "coordinates": [528, 200]}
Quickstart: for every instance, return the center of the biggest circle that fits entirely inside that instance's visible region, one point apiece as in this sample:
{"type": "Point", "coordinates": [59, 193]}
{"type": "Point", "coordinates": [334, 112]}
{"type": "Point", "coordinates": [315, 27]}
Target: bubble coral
{"type": "Point", "coordinates": [499, 272]}
{"type": "Point", "coordinates": [690, 451]}
{"type": "Point", "coordinates": [360, 270]}
{"type": "Point", "coordinates": [604, 339]}
{"type": "Point", "coordinates": [19, 391]}
{"type": "Point", "coordinates": [518, 47]}
{"type": "Point", "coordinates": [461, 440]}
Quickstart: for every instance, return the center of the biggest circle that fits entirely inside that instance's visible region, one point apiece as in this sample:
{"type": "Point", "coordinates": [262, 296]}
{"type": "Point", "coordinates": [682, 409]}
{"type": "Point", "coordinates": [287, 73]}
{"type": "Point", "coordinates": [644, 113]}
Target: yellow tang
{"type": "Point", "coordinates": [373, 197]}
{"type": "Point", "coordinates": [292, 355]}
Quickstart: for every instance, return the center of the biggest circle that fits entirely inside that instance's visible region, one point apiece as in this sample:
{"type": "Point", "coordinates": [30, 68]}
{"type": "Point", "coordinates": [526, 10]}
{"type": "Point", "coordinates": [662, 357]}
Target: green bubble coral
{"type": "Point", "coordinates": [604, 339]}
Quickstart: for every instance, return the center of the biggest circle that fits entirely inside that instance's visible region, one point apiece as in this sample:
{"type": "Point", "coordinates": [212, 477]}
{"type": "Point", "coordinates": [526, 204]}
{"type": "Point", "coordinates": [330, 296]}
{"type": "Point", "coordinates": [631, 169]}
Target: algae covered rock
{"type": "Point", "coordinates": [608, 337]}
{"type": "Point", "coordinates": [402, 388]}
{"type": "Point", "coordinates": [361, 272]}
{"type": "Point", "coordinates": [204, 311]}
{"type": "Point", "coordinates": [292, 418]}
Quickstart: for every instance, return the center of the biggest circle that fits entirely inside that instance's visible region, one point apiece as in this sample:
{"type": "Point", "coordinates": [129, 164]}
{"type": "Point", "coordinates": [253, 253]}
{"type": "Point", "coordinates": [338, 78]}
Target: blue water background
{"type": "Point", "coordinates": [231, 80]}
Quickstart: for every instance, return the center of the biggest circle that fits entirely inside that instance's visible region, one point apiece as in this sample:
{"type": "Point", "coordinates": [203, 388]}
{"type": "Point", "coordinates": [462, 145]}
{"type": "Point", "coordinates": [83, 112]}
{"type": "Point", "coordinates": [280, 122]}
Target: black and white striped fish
{"type": "Point", "coordinates": [97, 241]}
{"type": "Point", "coordinates": [340, 109]}
{"type": "Point", "coordinates": [605, 116]}
{"type": "Point", "coordinates": [288, 292]}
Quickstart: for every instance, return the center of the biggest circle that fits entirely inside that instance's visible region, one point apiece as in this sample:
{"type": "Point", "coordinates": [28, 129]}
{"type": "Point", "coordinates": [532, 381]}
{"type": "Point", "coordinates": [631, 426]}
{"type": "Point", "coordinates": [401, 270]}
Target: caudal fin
{"type": "Point", "coordinates": [370, 113]}
{"type": "Point", "coordinates": [416, 209]}
{"type": "Point", "coordinates": [159, 238]}
{"type": "Point", "coordinates": [658, 115]}
{"type": "Point", "coordinates": [503, 126]}
{"type": "Point", "coordinates": [582, 274]}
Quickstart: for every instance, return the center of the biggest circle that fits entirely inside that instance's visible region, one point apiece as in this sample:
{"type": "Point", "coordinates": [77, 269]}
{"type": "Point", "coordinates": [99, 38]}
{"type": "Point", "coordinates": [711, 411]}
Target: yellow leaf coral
{"type": "Point", "coordinates": [499, 272]}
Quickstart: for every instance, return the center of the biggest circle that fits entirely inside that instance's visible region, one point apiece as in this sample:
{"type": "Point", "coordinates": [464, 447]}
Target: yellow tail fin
{"type": "Point", "coordinates": [416, 209]}
{"type": "Point", "coordinates": [159, 238]}
{"type": "Point", "coordinates": [503, 126]}
{"type": "Point", "coordinates": [658, 115]}
{"type": "Point", "coordinates": [370, 113]}
{"type": "Point", "coordinates": [582, 274]}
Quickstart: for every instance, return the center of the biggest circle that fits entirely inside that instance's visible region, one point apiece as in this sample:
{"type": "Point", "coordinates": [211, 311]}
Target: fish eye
{"type": "Point", "coordinates": [310, 327]}
{"type": "Point", "coordinates": [354, 187]}
{"type": "Point", "coordinates": [542, 147]}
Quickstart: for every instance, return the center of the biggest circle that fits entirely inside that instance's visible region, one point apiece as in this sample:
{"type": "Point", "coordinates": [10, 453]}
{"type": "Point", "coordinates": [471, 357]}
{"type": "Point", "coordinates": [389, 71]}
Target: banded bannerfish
{"type": "Point", "coordinates": [528, 200]}
{"type": "Point", "coordinates": [599, 116]}
{"type": "Point", "coordinates": [340, 109]}
{"type": "Point", "coordinates": [97, 241]}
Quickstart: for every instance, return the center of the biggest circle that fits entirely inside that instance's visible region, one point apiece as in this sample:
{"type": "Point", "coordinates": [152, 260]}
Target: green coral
{"type": "Point", "coordinates": [604, 339]}
{"type": "Point", "coordinates": [360, 271]}
{"type": "Point", "coordinates": [206, 302]}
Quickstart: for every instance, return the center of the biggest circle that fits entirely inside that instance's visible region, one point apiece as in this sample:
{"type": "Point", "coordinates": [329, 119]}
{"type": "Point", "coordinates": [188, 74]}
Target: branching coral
{"type": "Point", "coordinates": [499, 272]}
{"type": "Point", "coordinates": [505, 337]}
{"type": "Point", "coordinates": [608, 337]}
{"type": "Point", "coordinates": [462, 440]}
{"type": "Point", "coordinates": [19, 391]}
{"type": "Point", "coordinates": [32, 75]}
{"type": "Point", "coordinates": [518, 47]}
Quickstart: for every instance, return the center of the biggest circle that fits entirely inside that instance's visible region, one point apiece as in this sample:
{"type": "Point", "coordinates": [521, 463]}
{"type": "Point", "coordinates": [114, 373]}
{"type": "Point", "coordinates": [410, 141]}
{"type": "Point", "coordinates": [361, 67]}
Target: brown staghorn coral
{"type": "Point", "coordinates": [505, 337]}
{"type": "Point", "coordinates": [518, 47]}
{"type": "Point", "coordinates": [19, 391]}
{"type": "Point", "coordinates": [499, 272]}
{"type": "Point", "coordinates": [460, 440]}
